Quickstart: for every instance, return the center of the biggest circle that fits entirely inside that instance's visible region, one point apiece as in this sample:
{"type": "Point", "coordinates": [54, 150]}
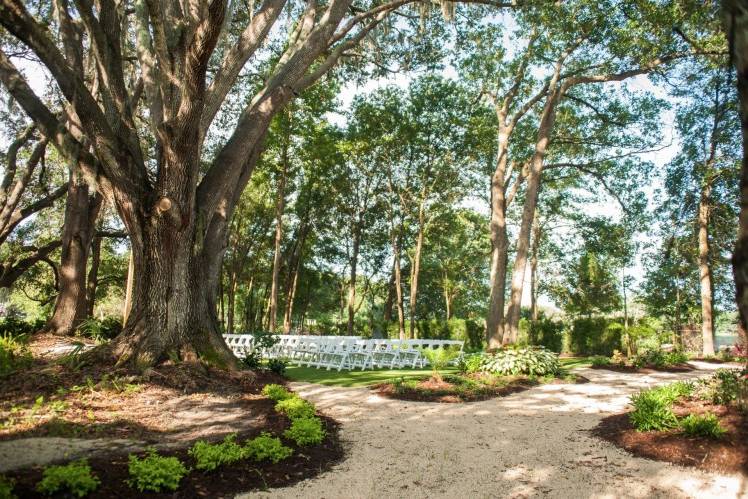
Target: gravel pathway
{"type": "Point", "coordinates": [531, 444]}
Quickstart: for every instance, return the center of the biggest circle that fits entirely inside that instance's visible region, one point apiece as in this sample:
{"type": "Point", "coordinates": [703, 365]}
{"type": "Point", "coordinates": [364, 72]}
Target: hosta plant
{"type": "Point", "coordinates": [534, 361]}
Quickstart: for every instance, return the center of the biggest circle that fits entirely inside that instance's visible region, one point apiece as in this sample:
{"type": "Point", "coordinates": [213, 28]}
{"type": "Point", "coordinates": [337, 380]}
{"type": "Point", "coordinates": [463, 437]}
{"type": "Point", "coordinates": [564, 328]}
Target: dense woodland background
{"type": "Point", "coordinates": [451, 160]}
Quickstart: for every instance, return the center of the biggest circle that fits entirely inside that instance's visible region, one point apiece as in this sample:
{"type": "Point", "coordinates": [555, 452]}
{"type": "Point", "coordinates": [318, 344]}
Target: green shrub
{"type": "Point", "coordinates": [6, 488]}
{"type": "Point", "coordinates": [262, 341]}
{"type": "Point", "coordinates": [725, 387]}
{"type": "Point", "coordinates": [600, 361]}
{"type": "Point", "coordinates": [651, 412]}
{"type": "Point", "coordinates": [276, 392]}
{"type": "Point", "coordinates": [74, 478]}
{"type": "Point", "coordinates": [306, 431]}
{"type": "Point", "coordinates": [470, 331]}
{"type": "Point", "coordinates": [547, 333]}
{"type": "Point", "coordinates": [440, 358]}
{"type": "Point", "coordinates": [210, 456]}
{"type": "Point", "coordinates": [14, 327]}
{"type": "Point", "coordinates": [278, 366]}
{"type": "Point", "coordinates": [470, 363]}
{"type": "Point", "coordinates": [522, 360]}
{"type": "Point", "coordinates": [702, 426]}
{"type": "Point", "coordinates": [617, 358]}
{"type": "Point", "coordinates": [267, 447]}
{"type": "Point", "coordinates": [653, 407]}
{"type": "Point", "coordinates": [675, 357]}
{"type": "Point", "coordinates": [14, 354]}
{"type": "Point", "coordinates": [155, 473]}
{"type": "Point", "coordinates": [595, 336]}
{"type": "Point", "coordinates": [100, 330]}
{"type": "Point", "coordinates": [295, 408]}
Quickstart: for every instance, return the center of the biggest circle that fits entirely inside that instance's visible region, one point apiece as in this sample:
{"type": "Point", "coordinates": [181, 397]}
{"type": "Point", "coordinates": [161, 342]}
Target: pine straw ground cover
{"type": "Point", "coordinates": [170, 407]}
{"type": "Point", "coordinates": [455, 388]}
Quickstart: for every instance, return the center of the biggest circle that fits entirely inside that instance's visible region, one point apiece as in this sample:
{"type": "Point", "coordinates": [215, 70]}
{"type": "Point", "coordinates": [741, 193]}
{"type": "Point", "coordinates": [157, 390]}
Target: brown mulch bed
{"type": "Point", "coordinates": [226, 481]}
{"type": "Point", "coordinates": [442, 391]}
{"type": "Point", "coordinates": [726, 455]}
{"type": "Point", "coordinates": [170, 406]}
{"type": "Point", "coordinates": [676, 368]}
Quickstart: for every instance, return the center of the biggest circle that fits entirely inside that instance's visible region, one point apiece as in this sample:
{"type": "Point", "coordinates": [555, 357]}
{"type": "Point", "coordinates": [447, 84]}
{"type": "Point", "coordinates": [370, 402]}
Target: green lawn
{"type": "Point", "coordinates": [572, 362]}
{"type": "Point", "coordinates": [374, 376]}
{"type": "Point", "coordinates": [353, 378]}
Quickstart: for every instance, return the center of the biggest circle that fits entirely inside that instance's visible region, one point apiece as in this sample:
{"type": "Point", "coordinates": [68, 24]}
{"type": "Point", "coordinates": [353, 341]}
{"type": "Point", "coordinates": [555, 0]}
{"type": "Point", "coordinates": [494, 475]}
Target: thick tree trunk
{"type": "Point", "coordinates": [499, 244]}
{"type": "Point", "coordinates": [705, 273]}
{"type": "Point", "coordinates": [81, 211]}
{"type": "Point", "coordinates": [736, 24]}
{"type": "Point", "coordinates": [415, 269]}
{"type": "Point", "coordinates": [528, 213]}
{"type": "Point", "coordinates": [93, 276]}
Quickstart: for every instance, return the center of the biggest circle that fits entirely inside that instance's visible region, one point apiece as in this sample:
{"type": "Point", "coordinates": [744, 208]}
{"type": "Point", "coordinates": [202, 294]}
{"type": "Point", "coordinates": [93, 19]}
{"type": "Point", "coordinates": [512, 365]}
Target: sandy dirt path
{"type": "Point", "coordinates": [531, 444]}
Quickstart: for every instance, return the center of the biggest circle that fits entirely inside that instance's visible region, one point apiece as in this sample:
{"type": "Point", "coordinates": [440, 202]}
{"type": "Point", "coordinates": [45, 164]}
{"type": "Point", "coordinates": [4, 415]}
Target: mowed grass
{"type": "Point", "coordinates": [572, 362]}
{"type": "Point", "coordinates": [355, 378]}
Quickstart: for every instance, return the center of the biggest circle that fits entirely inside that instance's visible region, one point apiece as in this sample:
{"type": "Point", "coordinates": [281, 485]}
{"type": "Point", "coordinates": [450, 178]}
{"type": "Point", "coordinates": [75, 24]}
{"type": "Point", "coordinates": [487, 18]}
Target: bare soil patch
{"type": "Point", "coordinates": [728, 454]}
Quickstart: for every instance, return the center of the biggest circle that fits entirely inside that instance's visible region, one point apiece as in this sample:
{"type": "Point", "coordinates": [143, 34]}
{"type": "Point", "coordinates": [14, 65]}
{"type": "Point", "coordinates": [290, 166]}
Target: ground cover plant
{"type": "Point", "coordinates": [74, 479]}
{"type": "Point", "coordinates": [650, 358]}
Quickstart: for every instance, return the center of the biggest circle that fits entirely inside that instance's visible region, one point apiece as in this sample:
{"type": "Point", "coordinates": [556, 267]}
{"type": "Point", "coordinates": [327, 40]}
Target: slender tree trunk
{"type": "Point", "coordinates": [415, 268]}
{"type": "Point", "coordinates": [629, 348]}
{"type": "Point", "coordinates": [231, 301]}
{"type": "Point", "coordinates": [279, 208]}
{"type": "Point", "coordinates": [398, 289]}
{"type": "Point", "coordinates": [93, 276]}
{"type": "Point", "coordinates": [81, 212]}
{"type": "Point", "coordinates": [528, 213]}
{"type": "Point", "coordinates": [291, 295]}
{"type": "Point", "coordinates": [499, 243]}
{"type": "Point", "coordinates": [389, 301]}
{"type": "Point", "coordinates": [447, 296]}
{"type": "Point", "coordinates": [705, 273]}
{"type": "Point", "coordinates": [536, 234]}
{"type": "Point", "coordinates": [353, 276]}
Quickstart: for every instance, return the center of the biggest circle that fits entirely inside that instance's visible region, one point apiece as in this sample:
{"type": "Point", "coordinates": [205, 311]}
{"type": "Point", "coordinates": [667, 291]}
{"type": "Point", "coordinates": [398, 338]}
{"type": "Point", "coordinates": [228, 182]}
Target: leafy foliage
{"type": "Point", "coordinates": [653, 407]}
{"type": "Point", "coordinates": [276, 392]}
{"type": "Point", "coordinates": [295, 407]}
{"type": "Point", "coordinates": [278, 366]}
{"type": "Point", "coordinates": [155, 473]}
{"type": "Point", "coordinates": [210, 456]}
{"type": "Point", "coordinates": [600, 361]}
{"type": "Point", "coordinates": [6, 488]}
{"type": "Point", "coordinates": [706, 425]}
{"type": "Point", "coordinates": [521, 360]}
{"type": "Point", "coordinates": [724, 387]}
{"type": "Point", "coordinates": [262, 341]}
{"type": "Point", "coordinates": [440, 358]}
{"type": "Point", "coordinates": [306, 431]}
{"type": "Point", "coordinates": [14, 354]}
{"type": "Point", "coordinates": [74, 478]}
{"type": "Point", "coordinates": [266, 447]}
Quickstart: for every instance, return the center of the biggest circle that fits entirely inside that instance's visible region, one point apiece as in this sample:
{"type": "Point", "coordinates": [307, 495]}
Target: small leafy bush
{"type": "Point", "coordinates": [262, 341]}
{"type": "Point", "coordinates": [651, 412]}
{"type": "Point", "coordinates": [100, 330]}
{"type": "Point", "coordinates": [702, 426]}
{"type": "Point", "coordinates": [266, 447]}
{"type": "Point", "coordinates": [600, 361]}
{"type": "Point", "coordinates": [295, 408]}
{"type": "Point", "coordinates": [210, 456]}
{"type": "Point", "coordinates": [14, 354]}
{"type": "Point", "coordinates": [440, 358]}
{"type": "Point", "coordinates": [617, 358]}
{"type": "Point", "coordinates": [469, 364]}
{"type": "Point", "coordinates": [522, 360]}
{"type": "Point", "coordinates": [724, 387]}
{"type": "Point", "coordinates": [155, 473]}
{"type": "Point", "coordinates": [278, 366]}
{"type": "Point", "coordinates": [306, 431]}
{"type": "Point", "coordinates": [675, 357]}
{"type": "Point", "coordinates": [276, 392]}
{"type": "Point", "coordinates": [6, 488]}
{"type": "Point", "coordinates": [653, 407]}
{"type": "Point", "coordinates": [74, 478]}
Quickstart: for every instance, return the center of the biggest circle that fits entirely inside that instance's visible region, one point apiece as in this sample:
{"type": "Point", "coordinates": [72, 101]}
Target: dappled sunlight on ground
{"type": "Point", "coordinates": [532, 443]}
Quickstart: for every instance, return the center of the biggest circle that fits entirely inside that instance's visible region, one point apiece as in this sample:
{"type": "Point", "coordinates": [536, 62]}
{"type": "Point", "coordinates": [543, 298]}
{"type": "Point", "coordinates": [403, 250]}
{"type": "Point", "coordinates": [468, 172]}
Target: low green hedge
{"type": "Point", "coordinates": [472, 332]}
